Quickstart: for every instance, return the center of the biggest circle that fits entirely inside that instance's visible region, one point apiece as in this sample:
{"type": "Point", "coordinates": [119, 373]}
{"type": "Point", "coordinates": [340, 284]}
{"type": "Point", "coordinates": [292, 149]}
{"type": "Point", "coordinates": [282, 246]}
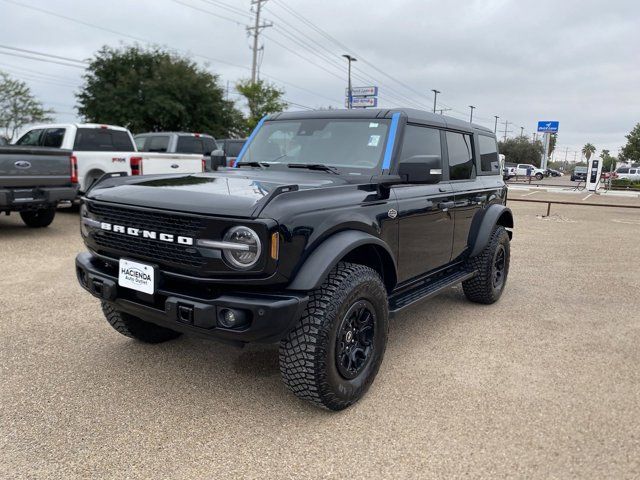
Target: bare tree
{"type": "Point", "coordinates": [18, 107]}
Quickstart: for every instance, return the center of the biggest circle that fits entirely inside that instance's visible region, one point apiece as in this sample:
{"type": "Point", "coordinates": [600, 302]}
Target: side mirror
{"type": "Point", "coordinates": [218, 159]}
{"type": "Point", "coordinates": [421, 169]}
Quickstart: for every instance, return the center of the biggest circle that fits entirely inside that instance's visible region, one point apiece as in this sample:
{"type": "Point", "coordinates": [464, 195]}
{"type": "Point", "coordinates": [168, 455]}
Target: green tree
{"type": "Point", "coordinates": [608, 162]}
{"type": "Point", "coordinates": [588, 150]}
{"type": "Point", "coordinates": [631, 151]}
{"type": "Point", "coordinates": [262, 99]}
{"type": "Point", "coordinates": [522, 150]}
{"type": "Point", "coordinates": [18, 107]}
{"type": "Point", "coordinates": [155, 90]}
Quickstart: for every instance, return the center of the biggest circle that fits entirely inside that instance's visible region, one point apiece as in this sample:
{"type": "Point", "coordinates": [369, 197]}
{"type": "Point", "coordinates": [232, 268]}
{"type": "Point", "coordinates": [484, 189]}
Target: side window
{"type": "Point", "coordinates": [489, 160]}
{"type": "Point", "coordinates": [420, 142]}
{"type": "Point", "coordinates": [461, 163]}
{"type": "Point", "coordinates": [140, 143]}
{"type": "Point", "coordinates": [31, 138]}
{"type": "Point", "coordinates": [53, 137]}
{"type": "Point", "coordinates": [233, 148]}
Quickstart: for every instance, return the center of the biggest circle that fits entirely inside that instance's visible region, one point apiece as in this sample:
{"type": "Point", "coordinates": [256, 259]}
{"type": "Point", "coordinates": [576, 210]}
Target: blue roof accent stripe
{"type": "Point", "coordinates": [246, 144]}
{"type": "Point", "coordinates": [386, 162]}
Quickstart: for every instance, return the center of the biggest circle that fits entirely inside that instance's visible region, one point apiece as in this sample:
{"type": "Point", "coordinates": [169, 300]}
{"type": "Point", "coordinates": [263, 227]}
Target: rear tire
{"type": "Point", "coordinates": [539, 176]}
{"type": "Point", "coordinates": [38, 218]}
{"type": "Point", "coordinates": [133, 327]}
{"type": "Point", "coordinates": [334, 352]}
{"type": "Point", "coordinates": [492, 266]}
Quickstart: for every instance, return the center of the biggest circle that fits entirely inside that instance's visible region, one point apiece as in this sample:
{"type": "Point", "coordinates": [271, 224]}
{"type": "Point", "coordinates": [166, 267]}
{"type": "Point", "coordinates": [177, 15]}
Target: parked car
{"type": "Point", "coordinates": [331, 222]}
{"type": "Point", "coordinates": [579, 173]}
{"type": "Point", "coordinates": [554, 173]}
{"type": "Point", "coordinates": [508, 173]}
{"type": "Point", "coordinates": [232, 148]}
{"type": "Point", "coordinates": [521, 170]}
{"type": "Point", "coordinates": [628, 173]}
{"type": "Point", "coordinates": [33, 181]}
{"type": "Point", "coordinates": [100, 149]}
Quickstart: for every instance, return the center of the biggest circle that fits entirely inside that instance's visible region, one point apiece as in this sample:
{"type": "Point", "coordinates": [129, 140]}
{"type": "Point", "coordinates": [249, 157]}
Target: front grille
{"type": "Point", "coordinates": [155, 250]}
{"type": "Point", "coordinates": [156, 221]}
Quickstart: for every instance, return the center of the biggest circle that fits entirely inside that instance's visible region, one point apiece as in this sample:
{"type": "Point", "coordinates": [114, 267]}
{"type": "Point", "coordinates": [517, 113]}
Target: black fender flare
{"type": "Point", "coordinates": [484, 223]}
{"type": "Point", "coordinates": [327, 255]}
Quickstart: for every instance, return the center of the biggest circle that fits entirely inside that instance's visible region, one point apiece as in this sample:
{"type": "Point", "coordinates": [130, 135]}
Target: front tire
{"type": "Point", "coordinates": [333, 354]}
{"type": "Point", "coordinates": [134, 327]}
{"type": "Point", "coordinates": [539, 176]}
{"type": "Point", "coordinates": [38, 218]}
{"type": "Point", "coordinates": [492, 265]}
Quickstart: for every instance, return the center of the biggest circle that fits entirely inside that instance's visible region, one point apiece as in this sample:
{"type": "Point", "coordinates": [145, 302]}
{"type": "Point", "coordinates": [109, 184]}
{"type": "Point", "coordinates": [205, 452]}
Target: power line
{"type": "Point", "coordinates": [40, 59]}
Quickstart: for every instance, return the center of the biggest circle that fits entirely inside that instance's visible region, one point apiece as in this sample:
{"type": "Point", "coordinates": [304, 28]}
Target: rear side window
{"type": "Point", "coordinates": [102, 140]}
{"type": "Point", "coordinates": [620, 170]}
{"type": "Point", "coordinates": [53, 137]}
{"type": "Point", "coordinates": [489, 160]}
{"type": "Point", "coordinates": [189, 144]}
{"type": "Point", "coordinates": [420, 142]}
{"type": "Point", "coordinates": [31, 138]}
{"type": "Point", "coordinates": [461, 163]}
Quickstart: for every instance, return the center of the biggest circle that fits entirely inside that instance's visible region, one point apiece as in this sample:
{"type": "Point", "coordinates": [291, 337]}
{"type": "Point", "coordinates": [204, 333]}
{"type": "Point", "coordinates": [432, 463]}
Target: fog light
{"type": "Point", "coordinates": [231, 318]}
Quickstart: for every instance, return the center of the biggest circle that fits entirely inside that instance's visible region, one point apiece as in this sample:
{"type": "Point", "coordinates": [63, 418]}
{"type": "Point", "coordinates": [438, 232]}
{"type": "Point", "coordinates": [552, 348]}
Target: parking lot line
{"type": "Point", "coordinates": [530, 193]}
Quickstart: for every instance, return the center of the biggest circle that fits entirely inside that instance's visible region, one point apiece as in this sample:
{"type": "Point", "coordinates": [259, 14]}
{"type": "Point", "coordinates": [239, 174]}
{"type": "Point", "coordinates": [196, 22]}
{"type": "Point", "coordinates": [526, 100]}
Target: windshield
{"type": "Point", "coordinates": [581, 170]}
{"type": "Point", "coordinates": [352, 145]}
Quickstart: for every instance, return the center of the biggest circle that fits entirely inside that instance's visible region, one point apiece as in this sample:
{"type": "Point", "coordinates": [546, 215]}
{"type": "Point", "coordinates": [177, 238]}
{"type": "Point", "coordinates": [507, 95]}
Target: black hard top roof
{"type": "Point", "coordinates": [413, 116]}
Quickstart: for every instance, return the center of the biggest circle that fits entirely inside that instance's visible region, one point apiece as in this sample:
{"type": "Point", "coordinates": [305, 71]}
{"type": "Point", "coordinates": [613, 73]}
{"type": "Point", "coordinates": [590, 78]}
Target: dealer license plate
{"type": "Point", "coordinates": [136, 276]}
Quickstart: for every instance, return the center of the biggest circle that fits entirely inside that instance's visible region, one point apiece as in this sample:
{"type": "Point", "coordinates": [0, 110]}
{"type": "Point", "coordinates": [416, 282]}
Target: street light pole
{"type": "Point", "coordinates": [435, 97]}
{"type": "Point", "coordinates": [522, 131]}
{"type": "Point", "coordinates": [495, 127]}
{"type": "Point", "coordinates": [471, 116]}
{"type": "Point", "coordinates": [349, 90]}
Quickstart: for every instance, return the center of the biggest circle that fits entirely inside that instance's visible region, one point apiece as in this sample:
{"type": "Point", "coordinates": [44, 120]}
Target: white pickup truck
{"type": "Point", "coordinates": [521, 169]}
{"type": "Point", "coordinates": [100, 149]}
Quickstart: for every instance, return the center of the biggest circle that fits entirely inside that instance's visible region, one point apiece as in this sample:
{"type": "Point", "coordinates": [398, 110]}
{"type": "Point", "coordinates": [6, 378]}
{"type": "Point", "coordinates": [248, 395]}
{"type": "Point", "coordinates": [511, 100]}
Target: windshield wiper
{"type": "Point", "coordinates": [314, 166]}
{"type": "Point", "coordinates": [253, 164]}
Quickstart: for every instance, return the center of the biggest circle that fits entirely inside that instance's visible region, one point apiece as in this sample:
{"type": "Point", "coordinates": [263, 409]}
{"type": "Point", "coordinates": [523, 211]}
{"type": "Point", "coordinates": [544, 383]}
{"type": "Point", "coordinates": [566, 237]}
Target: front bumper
{"type": "Point", "coordinates": [21, 199]}
{"type": "Point", "coordinates": [270, 315]}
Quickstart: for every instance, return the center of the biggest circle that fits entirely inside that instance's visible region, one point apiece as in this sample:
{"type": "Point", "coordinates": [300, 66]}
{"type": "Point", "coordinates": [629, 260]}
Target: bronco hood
{"type": "Point", "coordinates": [229, 192]}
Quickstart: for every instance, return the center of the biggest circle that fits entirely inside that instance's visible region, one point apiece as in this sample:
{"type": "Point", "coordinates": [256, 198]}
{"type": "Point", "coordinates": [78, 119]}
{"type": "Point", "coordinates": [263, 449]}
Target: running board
{"type": "Point", "coordinates": [427, 289]}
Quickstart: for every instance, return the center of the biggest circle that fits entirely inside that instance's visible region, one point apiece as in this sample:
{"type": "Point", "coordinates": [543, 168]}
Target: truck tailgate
{"type": "Point", "coordinates": [154, 163]}
{"type": "Point", "coordinates": [34, 167]}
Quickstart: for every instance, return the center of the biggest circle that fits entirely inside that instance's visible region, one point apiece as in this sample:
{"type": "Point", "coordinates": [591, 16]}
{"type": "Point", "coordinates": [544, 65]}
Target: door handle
{"type": "Point", "coordinates": [479, 199]}
{"type": "Point", "coordinates": [445, 206]}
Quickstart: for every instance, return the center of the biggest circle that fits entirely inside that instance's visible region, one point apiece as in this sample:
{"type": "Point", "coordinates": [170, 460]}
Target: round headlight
{"type": "Point", "coordinates": [249, 249]}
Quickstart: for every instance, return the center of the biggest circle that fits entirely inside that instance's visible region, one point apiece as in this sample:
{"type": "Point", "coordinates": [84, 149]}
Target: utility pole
{"type": "Point", "coordinates": [435, 96]}
{"type": "Point", "coordinates": [522, 131]}
{"type": "Point", "coordinates": [471, 116]}
{"type": "Point", "coordinates": [442, 110]}
{"type": "Point", "coordinates": [506, 125]}
{"type": "Point", "coordinates": [255, 33]}
{"type": "Point", "coordinates": [349, 89]}
{"type": "Point", "coordinates": [495, 127]}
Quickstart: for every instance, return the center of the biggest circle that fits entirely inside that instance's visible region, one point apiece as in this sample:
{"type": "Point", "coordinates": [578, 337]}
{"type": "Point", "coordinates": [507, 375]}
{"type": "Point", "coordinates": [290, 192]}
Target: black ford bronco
{"type": "Point", "coordinates": [329, 223]}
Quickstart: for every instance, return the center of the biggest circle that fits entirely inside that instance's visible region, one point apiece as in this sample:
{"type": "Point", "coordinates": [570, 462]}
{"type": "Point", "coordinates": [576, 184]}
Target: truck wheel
{"type": "Point", "coordinates": [334, 352]}
{"type": "Point", "coordinates": [38, 218]}
{"type": "Point", "coordinates": [492, 266]}
{"type": "Point", "coordinates": [133, 327]}
{"type": "Point", "coordinates": [539, 176]}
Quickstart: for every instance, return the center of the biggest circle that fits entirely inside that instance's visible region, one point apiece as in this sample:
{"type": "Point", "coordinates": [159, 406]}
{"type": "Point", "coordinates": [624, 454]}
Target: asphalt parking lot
{"type": "Point", "coordinates": [543, 384]}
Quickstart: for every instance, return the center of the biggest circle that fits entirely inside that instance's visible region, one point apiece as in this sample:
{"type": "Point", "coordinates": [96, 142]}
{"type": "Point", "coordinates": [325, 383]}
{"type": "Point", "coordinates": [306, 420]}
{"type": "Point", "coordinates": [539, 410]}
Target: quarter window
{"type": "Point", "coordinates": [461, 163]}
{"type": "Point", "coordinates": [489, 161]}
{"type": "Point", "coordinates": [189, 144]}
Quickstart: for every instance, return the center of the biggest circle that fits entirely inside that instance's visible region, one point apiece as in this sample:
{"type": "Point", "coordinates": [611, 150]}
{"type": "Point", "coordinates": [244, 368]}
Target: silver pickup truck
{"type": "Point", "coordinates": [34, 180]}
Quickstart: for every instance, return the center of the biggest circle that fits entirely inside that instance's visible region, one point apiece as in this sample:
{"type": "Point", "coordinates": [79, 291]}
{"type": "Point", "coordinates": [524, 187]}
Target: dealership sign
{"type": "Point", "coordinates": [548, 127]}
{"type": "Point", "coordinates": [362, 102]}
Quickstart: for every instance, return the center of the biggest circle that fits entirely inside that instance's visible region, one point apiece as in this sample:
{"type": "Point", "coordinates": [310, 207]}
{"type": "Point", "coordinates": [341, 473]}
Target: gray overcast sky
{"type": "Point", "coordinates": [576, 61]}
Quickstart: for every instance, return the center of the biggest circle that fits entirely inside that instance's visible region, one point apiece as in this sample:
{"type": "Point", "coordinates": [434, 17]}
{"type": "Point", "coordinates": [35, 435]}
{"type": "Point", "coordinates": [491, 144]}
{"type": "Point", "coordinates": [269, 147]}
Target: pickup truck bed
{"type": "Point", "coordinates": [33, 180]}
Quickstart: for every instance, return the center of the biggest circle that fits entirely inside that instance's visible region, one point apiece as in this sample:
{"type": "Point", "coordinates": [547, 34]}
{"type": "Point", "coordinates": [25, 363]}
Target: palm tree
{"type": "Point", "coordinates": [588, 150]}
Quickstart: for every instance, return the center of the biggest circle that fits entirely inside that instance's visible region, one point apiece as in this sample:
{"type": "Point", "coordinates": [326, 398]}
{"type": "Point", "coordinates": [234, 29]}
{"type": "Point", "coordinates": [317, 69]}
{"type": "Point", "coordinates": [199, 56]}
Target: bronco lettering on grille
{"type": "Point", "coordinates": [139, 232]}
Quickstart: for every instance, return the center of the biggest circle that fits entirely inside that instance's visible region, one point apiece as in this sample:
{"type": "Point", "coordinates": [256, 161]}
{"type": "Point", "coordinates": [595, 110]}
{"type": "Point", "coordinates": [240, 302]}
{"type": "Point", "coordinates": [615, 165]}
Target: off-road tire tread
{"type": "Point", "coordinates": [135, 328]}
{"type": "Point", "coordinates": [38, 218]}
{"type": "Point", "coordinates": [479, 289]}
{"type": "Point", "coordinates": [303, 352]}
